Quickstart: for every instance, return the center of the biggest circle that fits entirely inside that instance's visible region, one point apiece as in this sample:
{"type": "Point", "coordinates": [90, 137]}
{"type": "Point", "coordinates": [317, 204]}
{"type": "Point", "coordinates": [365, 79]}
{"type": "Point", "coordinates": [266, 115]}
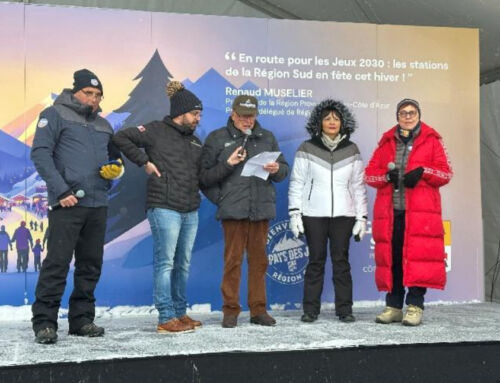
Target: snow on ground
{"type": "Point", "coordinates": [131, 333]}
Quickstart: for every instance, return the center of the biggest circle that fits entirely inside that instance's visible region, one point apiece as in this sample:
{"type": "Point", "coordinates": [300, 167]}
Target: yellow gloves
{"type": "Point", "coordinates": [112, 170]}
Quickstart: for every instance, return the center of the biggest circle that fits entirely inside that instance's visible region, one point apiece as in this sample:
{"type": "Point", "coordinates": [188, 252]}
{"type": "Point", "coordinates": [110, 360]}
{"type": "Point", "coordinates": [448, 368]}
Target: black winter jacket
{"type": "Point", "coordinates": [239, 197]}
{"type": "Point", "coordinates": [175, 151]}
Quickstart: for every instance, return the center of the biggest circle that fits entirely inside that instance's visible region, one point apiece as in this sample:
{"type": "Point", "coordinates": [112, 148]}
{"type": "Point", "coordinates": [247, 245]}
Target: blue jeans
{"type": "Point", "coordinates": [173, 239]}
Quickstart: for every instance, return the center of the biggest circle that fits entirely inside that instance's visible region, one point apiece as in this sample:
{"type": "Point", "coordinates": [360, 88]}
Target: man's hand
{"type": "Point", "coordinates": [112, 170]}
{"type": "Point", "coordinates": [151, 168]}
{"type": "Point", "coordinates": [272, 167]}
{"type": "Point", "coordinates": [235, 158]}
{"type": "Point", "coordinates": [68, 201]}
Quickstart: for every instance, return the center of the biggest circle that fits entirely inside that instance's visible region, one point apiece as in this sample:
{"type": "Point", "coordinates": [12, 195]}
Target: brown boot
{"type": "Point", "coordinates": [229, 321]}
{"type": "Point", "coordinates": [186, 319]}
{"type": "Point", "coordinates": [263, 319]}
{"type": "Point", "coordinates": [174, 326]}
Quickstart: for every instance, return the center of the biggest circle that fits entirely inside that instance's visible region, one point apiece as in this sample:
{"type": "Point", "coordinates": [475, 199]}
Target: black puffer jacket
{"type": "Point", "coordinates": [239, 197]}
{"type": "Point", "coordinates": [176, 153]}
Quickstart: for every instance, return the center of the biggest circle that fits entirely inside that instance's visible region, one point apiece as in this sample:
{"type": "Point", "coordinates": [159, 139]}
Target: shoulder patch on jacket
{"type": "Point", "coordinates": [42, 123]}
{"type": "Point", "coordinates": [141, 128]}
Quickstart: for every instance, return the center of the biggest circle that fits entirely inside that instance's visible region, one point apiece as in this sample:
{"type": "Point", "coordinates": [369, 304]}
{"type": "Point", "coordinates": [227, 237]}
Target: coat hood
{"type": "Point", "coordinates": [349, 123]}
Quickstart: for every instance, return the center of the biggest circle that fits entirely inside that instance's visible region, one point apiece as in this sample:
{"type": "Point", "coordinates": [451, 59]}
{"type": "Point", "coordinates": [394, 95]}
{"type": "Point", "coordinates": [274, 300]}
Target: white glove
{"type": "Point", "coordinates": [296, 225]}
{"type": "Point", "coordinates": [359, 229]}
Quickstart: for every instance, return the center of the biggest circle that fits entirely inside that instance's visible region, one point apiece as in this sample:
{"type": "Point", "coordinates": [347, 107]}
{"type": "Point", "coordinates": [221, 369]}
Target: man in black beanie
{"type": "Point", "coordinates": [171, 158]}
{"type": "Point", "coordinates": [73, 153]}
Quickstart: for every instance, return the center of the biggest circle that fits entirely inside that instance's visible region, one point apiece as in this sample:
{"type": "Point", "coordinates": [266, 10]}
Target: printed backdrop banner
{"type": "Point", "coordinates": [289, 66]}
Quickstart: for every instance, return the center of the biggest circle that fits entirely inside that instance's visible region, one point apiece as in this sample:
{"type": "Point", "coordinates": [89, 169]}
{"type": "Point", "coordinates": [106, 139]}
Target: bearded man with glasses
{"type": "Point", "coordinates": [73, 153]}
{"type": "Point", "coordinates": [408, 167]}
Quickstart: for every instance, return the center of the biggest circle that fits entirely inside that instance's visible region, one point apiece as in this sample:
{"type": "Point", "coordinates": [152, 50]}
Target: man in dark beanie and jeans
{"type": "Point", "coordinates": [408, 167]}
{"type": "Point", "coordinates": [171, 158]}
{"type": "Point", "coordinates": [73, 153]}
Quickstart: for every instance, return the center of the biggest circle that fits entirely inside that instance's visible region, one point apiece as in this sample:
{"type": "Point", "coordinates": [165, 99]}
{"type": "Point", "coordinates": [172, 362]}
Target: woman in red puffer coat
{"type": "Point", "coordinates": [407, 168]}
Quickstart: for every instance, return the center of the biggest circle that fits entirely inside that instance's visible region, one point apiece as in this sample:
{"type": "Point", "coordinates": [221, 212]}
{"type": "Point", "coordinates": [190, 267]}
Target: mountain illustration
{"type": "Point", "coordinates": [286, 243]}
{"type": "Point", "coordinates": [23, 127]}
{"type": "Point", "coordinates": [15, 164]}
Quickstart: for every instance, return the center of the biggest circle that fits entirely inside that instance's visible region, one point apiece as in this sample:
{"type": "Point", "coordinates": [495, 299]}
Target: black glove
{"type": "Point", "coordinates": [412, 177]}
{"type": "Point", "coordinates": [393, 177]}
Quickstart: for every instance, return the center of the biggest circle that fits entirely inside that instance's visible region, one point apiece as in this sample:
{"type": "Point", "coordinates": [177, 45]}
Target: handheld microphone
{"type": "Point", "coordinates": [78, 194]}
{"type": "Point", "coordinates": [392, 166]}
{"type": "Point", "coordinates": [247, 133]}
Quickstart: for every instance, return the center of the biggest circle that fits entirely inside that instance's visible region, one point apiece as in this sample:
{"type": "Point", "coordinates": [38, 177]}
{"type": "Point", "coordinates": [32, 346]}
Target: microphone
{"type": "Point", "coordinates": [247, 133]}
{"type": "Point", "coordinates": [78, 194]}
{"type": "Point", "coordinates": [392, 166]}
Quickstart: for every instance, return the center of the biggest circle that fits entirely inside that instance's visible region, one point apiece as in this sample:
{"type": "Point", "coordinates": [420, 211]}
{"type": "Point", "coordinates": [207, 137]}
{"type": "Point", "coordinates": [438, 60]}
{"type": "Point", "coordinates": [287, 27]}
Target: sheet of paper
{"type": "Point", "coordinates": [255, 165]}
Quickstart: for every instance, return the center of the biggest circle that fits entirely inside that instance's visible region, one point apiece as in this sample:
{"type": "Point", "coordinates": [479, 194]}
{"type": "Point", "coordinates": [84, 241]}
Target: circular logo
{"type": "Point", "coordinates": [287, 255]}
{"type": "Point", "coordinates": [94, 82]}
{"type": "Point", "coordinates": [42, 123]}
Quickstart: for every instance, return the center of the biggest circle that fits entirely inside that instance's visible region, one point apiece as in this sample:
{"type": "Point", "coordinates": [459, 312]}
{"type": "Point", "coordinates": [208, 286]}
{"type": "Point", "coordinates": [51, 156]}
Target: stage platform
{"type": "Point", "coordinates": [455, 343]}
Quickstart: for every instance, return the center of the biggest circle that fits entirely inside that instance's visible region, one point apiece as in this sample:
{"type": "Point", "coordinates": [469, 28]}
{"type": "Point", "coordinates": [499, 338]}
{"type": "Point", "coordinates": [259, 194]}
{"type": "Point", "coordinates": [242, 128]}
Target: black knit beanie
{"type": "Point", "coordinates": [84, 79]}
{"type": "Point", "coordinates": [181, 99]}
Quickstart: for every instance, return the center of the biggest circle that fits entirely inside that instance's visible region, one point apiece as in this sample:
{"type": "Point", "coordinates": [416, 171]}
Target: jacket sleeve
{"type": "Point", "coordinates": [439, 172]}
{"type": "Point", "coordinates": [359, 189]}
{"type": "Point", "coordinates": [375, 172]}
{"type": "Point", "coordinates": [298, 180]}
{"type": "Point", "coordinates": [44, 143]}
{"type": "Point", "coordinates": [113, 151]}
{"type": "Point", "coordinates": [131, 140]}
{"type": "Point", "coordinates": [212, 171]}
{"type": "Point", "coordinates": [283, 170]}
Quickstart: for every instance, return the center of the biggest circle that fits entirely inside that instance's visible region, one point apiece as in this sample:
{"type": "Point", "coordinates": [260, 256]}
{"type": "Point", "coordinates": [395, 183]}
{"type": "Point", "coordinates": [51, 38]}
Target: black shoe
{"type": "Point", "coordinates": [347, 318]}
{"type": "Point", "coordinates": [90, 329]}
{"type": "Point", "coordinates": [46, 335]}
{"type": "Point", "coordinates": [263, 319]}
{"type": "Point", "coordinates": [308, 317]}
{"type": "Point", "coordinates": [229, 321]}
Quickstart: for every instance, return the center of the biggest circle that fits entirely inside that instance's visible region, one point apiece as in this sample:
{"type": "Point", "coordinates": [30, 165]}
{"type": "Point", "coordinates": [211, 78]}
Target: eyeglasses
{"type": "Point", "coordinates": [90, 94]}
{"type": "Point", "coordinates": [195, 113]}
{"type": "Point", "coordinates": [404, 114]}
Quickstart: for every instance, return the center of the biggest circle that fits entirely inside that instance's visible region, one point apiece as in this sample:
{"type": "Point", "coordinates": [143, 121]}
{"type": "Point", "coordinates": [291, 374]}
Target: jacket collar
{"type": "Point", "coordinates": [316, 140]}
{"type": "Point", "coordinates": [67, 99]}
{"type": "Point", "coordinates": [425, 131]}
{"type": "Point", "coordinates": [182, 129]}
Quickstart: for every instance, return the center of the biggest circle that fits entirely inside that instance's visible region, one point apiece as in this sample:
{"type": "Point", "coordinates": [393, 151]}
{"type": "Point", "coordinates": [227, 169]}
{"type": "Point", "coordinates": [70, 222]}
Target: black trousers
{"type": "Point", "coordinates": [318, 231]}
{"type": "Point", "coordinates": [396, 297]}
{"type": "Point", "coordinates": [78, 230]}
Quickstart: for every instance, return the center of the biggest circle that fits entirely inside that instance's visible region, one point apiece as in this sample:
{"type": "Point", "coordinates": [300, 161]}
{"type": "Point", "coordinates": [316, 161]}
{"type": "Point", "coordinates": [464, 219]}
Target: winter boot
{"type": "Point", "coordinates": [413, 316]}
{"type": "Point", "coordinates": [389, 315]}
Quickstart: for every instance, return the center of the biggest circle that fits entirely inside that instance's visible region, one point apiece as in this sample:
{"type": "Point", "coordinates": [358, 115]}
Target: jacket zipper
{"type": "Point", "coordinates": [401, 173]}
{"type": "Point", "coordinates": [310, 190]}
{"type": "Point", "coordinates": [331, 178]}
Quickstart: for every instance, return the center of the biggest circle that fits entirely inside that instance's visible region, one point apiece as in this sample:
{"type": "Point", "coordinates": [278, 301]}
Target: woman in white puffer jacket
{"type": "Point", "coordinates": [327, 202]}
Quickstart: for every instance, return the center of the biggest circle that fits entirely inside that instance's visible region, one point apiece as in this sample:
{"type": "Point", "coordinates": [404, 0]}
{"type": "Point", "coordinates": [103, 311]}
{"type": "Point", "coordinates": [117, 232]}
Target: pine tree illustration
{"type": "Point", "coordinates": [148, 100]}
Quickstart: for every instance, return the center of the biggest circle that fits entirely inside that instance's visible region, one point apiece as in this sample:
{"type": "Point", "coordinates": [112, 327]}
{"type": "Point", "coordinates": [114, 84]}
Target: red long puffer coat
{"type": "Point", "coordinates": [423, 251]}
